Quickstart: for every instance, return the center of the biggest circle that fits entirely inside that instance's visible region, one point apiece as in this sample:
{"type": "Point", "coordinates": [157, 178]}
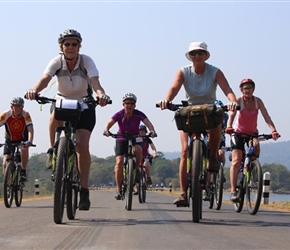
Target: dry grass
{"type": "Point", "coordinates": [283, 206]}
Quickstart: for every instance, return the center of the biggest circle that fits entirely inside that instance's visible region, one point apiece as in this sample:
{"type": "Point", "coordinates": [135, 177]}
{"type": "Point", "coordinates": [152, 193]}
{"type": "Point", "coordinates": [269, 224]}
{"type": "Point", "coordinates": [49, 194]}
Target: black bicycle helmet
{"type": "Point", "coordinates": [17, 101]}
{"type": "Point", "coordinates": [70, 33]}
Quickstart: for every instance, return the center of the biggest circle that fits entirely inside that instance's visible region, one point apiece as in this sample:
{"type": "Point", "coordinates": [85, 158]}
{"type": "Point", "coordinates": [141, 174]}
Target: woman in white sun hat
{"type": "Point", "coordinates": [200, 81]}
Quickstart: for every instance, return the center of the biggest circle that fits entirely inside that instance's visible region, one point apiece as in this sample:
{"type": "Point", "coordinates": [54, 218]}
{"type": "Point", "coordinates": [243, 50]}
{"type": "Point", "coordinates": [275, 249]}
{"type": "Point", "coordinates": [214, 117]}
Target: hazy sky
{"type": "Point", "coordinates": [138, 46]}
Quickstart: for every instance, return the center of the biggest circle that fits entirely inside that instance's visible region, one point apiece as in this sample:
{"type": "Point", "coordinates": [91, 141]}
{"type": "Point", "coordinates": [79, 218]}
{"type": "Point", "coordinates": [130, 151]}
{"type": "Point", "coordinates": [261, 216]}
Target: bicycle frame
{"type": "Point", "coordinates": [196, 172]}
{"type": "Point", "coordinates": [128, 169]}
{"type": "Point", "coordinates": [250, 177]}
{"type": "Point", "coordinates": [65, 169]}
{"type": "Point", "coordinates": [196, 175]}
{"type": "Point", "coordinates": [13, 186]}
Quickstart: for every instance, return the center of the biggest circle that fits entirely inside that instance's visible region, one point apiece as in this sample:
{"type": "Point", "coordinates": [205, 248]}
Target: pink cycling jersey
{"type": "Point", "coordinates": [247, 119]}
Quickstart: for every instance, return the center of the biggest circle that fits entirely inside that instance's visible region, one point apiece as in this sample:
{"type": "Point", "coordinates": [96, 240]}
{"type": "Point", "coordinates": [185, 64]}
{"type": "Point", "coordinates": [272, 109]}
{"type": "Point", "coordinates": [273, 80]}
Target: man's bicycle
{"type": "Point", "coordinates": [196, 167]}
{"type": "Point", "coordinates": [65, 174]}
{"type": "Point", "coordinates": [250, 176]}
{"type": "Point", "coordinates": [13, 185]}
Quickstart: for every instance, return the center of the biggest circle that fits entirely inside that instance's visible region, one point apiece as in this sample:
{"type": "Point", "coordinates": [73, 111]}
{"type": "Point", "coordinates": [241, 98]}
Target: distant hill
{"type": "Point", "coordinates": [271, 152]}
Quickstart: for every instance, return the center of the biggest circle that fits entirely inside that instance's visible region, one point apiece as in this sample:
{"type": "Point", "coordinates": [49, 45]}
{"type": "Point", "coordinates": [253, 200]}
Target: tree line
{"type": "Point", "coordinates": [162, 171]}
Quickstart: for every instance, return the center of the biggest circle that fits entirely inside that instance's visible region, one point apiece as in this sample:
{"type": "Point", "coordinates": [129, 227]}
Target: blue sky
{"type": "Point", "coordinates": [139, 46]}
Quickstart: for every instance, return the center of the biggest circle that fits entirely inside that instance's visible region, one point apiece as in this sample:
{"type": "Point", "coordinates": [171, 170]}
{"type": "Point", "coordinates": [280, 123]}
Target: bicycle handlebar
{"type": "Point", "coordinates": [16, 144]}
{"type": "Point", "coordinates": [260, 137]}
{"type": "Point", "coordinates": [174, 107]}
{"type": "Point", "coordinates": [127, 135]}
{"type": "Point", "coordinates": [45, 100]}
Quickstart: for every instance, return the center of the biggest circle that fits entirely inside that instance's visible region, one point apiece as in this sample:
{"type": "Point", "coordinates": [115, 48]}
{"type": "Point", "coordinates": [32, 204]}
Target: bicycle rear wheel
{"type": "Point", "coordinates": [196, 190]}
{"type": "Point", "coordinates": [254, 187]}
{"type": "Point", "coordinates": [8, 184]}
{"type": "Point", "coordinates": [213, 190]}
{"type": "Point", "coordinates": [59, 182]}
{"type": "Point", "coordinates": [130, 183]}
{"type": "Point", "coordinates": [18, 188]}
{"type": "Point", "coordinates": [238, 206]}
{"type": "Point", "coordinates": [73, 188]}
{"type": "Point", "coordinates": [219, 184]}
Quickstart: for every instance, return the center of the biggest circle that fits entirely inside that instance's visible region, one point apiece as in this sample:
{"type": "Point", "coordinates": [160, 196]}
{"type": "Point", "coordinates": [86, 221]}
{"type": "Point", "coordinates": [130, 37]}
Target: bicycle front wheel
{"type": "Point", "coordinates": [73, 188]}
{"type": "Point", "coordinates": [254, 187]}
{"type": "Point", "coordinates": [219, 184]}
{"type": "Point", "coordinates": [129, 190]}
{"type": "Point", "coordinates": [196, 190]}
{"type": "Point", "coordinates": [18, 184]}
{"type": "Point", "coordinates": [59, 182]}
{"type": "Point", "coordinates": [8, 184]}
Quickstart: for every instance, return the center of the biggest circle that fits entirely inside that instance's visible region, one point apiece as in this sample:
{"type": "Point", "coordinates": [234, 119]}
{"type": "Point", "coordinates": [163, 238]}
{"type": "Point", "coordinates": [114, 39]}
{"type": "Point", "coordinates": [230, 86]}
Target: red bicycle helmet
{"type": "Point", "coordinates": [247, 81]}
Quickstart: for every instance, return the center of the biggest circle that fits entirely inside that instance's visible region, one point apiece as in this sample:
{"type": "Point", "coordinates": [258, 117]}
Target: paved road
{"type": "Point", "coordinates": [157, 224]}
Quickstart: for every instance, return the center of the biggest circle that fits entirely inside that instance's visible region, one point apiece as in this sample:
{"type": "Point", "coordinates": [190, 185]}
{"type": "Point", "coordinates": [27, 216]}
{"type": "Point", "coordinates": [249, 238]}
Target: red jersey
{"type": "Point", "coordinates": [15, 126]}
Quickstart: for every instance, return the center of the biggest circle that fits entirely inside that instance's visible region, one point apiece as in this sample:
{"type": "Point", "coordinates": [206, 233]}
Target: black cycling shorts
{"type": "Point", "coordinates": [87, 120]}
{"type": "Point", "coordinates": [238, 142]}
{"type": "Point", "coordinates": [121, 147]}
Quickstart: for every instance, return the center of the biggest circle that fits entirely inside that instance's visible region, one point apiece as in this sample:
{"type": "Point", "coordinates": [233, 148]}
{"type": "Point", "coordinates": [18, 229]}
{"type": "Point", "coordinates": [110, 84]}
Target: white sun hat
{"type": "Point", "coordinates": [197, 46]}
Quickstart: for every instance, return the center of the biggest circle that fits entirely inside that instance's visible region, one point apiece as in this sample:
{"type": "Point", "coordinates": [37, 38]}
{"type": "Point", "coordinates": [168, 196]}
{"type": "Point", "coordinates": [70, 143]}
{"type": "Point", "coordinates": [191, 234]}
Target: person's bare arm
{"type": "Point", "coordinates": [175, 87]}
{"type": "Point", "coordinates": [101, 95]}
{"type": "Point", "coordinates": [38, 87]}
{"type": "Point", "coordinates": [109, 124]}
{"type": "Point", "coordinates": [153, 148]}
{"type": "Point", "coordinates": [224, 85]}
{"type": "Point", "coordinates": [266, 115]}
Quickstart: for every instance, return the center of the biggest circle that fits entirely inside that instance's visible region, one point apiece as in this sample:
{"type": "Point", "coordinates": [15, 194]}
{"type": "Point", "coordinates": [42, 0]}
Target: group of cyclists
{"type": "Point", "coordinates": [78, 78]}
{"type": "Point", "coordinates": [200, 81]}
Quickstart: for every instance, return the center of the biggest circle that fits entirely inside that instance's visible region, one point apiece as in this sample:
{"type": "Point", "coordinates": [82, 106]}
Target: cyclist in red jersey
{"type": "Point", "coordinates": [18, 127]}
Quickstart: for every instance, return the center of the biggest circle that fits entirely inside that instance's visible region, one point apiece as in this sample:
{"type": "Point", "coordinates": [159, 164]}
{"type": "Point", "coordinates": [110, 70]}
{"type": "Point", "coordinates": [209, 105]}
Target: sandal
{"type": "Point", "coordinates": [181, 200]}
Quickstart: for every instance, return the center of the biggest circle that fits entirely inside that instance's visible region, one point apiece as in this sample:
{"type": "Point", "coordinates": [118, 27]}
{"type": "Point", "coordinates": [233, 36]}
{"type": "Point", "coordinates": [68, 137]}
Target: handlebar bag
{"type": "Point", "coordinates": [67, 110]}
{"type": "Point", "coordinates": [198, 118]}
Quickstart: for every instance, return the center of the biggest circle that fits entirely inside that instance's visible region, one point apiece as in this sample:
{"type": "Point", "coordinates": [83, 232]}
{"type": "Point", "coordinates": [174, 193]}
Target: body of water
{"type": "Point", "coordinates": [272, 197]}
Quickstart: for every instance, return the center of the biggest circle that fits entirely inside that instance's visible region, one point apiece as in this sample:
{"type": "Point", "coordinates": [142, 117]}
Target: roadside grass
{"type": "Point", "coordinates": [283, 206]}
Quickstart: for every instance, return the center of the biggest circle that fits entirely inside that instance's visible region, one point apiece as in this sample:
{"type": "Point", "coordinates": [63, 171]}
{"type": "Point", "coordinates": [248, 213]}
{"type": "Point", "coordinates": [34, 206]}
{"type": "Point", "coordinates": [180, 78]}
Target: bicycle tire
{"type": "Point", "coordinates": [8, 184]}
{"type": "Point", "coordinates": [130, 183]}
{"type": "Point", "coordinates": [140, 186]}
{"type": "Point", "coordinates": [73, 188]}
{"type": "Point", "coordinates": [144, 186]}
{"type": "Point", "coordinates": [219, 184]}
{"type": "Point", "coordinates": [254, 187]}
{"type": "Point", "coordinates": [213, 190]}
{"type": "Point", "coordinates": [59, 182]}
{"type": "Point", "coordinates": [196, 190]}
{"type": "Point", "coordinates": [18, 188]}
{"type": "Point", "coordinates": [238, 206]}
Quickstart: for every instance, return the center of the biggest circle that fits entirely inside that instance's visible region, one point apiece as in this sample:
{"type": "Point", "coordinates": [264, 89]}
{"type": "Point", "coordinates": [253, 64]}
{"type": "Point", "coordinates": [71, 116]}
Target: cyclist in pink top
{"type": "Point", "coordinates": [246, 123]}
